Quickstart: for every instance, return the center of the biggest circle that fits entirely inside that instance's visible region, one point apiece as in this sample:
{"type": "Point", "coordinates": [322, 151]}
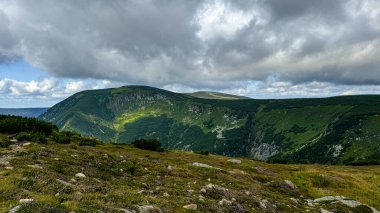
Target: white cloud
{"type": "Point", "coordinates": [219, 20]}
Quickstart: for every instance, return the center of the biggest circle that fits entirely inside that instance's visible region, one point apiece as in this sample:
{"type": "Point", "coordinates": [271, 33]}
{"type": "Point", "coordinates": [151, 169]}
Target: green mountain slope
{"type": "Point", "coordinates": [338, 130]}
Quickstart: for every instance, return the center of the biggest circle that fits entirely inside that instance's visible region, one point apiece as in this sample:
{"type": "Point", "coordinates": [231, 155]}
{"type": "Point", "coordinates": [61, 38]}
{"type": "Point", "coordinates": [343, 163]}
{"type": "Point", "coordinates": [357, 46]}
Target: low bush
{"type": "Point", "coordinates": [38, 137]}
{"type": "Point", "coordinates": [61, 137]}
{"type": "Point", "coordinates": [4, 142]}
{"type": "Point", "coordinates": [131, 167]}
{"type": "Point", "coordinates": [88, 142]}
{"type": "Point", "coordinates": [148, 144]}
{"type": "Point", "coordinates": [202, 152]}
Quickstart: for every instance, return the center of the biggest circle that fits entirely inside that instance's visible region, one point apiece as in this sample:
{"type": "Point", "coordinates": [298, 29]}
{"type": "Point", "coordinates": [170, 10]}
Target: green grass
{"type": "Point", "coordinates": [117, 173]}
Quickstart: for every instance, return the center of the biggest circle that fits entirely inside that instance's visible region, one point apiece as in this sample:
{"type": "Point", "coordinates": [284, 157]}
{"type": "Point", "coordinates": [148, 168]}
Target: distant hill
{"type": "Point", "coordinates": [24, 112]}
{"type": "Point", "coordinates": [337, 130]}
{"type": "Point", "coordinates": [215, 95]}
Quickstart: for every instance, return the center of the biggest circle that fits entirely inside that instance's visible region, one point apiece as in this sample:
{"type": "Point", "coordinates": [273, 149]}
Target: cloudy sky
{"type": "Point", "coordinates": [50, 49]}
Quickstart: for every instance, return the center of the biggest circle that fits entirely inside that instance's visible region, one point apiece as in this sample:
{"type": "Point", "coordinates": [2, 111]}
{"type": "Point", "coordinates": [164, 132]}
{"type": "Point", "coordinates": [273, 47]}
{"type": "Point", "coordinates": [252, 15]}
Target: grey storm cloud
{"type": "Point", "coordinates": [196, 43]}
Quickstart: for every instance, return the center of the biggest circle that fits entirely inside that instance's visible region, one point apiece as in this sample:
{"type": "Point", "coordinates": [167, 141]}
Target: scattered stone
{"type": "Point", "coordinates": [191, 207]}
{"type": "Point", "coordinates": [26, 144]}
{"type": "Point", "coordinates": [329, 199]}
{"type": "Point", "coordinates": [203, 165]}
{"type": "Point", "coordinates": [237, 171]}
{"type": "Point", "coordinates": [166, 194]}
{"type": "Point", "coordinates": [343, 200]}
{"type": "Point", "coordinates": [13, 140]}
{"type": "Point", "coordinates": [247, 193]}
{"type": "Point", "coordinates": [4, 163]}
{"type": "Point", "coordinates": [123, 210]}
{"type": "Point", "coordinates": [148, 209]}
{"type": "Point", "coordinates": [264, 204]}
{"type": "Point", "coordinates": [80, 175]}
{"type": "Point", "coordinates": [325, 211]}
{"type": "Point", "coordinates": [190, 191]}
{"type": "Point", "coordinates": [25, 201]}
{"type": "Point", "coordinates": [57, 194]}
{"type": "Point", "coordinates": [35, 166]}
{"type": "Point", "coordinates": [215, 191]}
{"type": "Point", "coordinates": [64, 182]}
{"type": "Point", "coordinates": [293, 199]}
{"type": "Point", "coordinates": [57, 159]}
{"type": "Point", "coordinates": [225, 202]}
{"type": "Point", "coordinates": [201, 198]}
{"type": "Point", "coordinates": [351, 203]}
{"type": "Point", "coordinates": [170, 168]}
{"type": "Point", "coordinates": [72, 180]}
{"type": "Point", "coordinates": [290, 184]}
{"type": "Point", "coordinates": [234, 161]}
{"type": "Point", "coordinates": [15, 209]}
{"type": "Point", "coordinates": [142, 192]}
{"type": "Point", "coordinates": [9, 167]}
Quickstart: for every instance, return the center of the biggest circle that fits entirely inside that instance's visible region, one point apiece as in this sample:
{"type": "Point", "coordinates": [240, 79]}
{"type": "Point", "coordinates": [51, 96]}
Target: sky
{"type": "Point", "coordinates": [51, 49]}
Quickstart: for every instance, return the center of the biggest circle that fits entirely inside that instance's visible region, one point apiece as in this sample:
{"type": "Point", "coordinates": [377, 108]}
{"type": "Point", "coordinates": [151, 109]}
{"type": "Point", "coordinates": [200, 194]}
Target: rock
{"type": "Point", "coordinates": [329, 199]}
{"type": "Point", "coordinates": [123, 210]}
{"type": "Point", "coordinates": [64, 182]}
{"type": "Point", "coordinates": [234, 161]}
{"type": "Point", "coordinates": [351, 203]}
{"type": "Point", "coordinates": [190, 191]}
{"type": "Point", "coordinates": [170, 168]}
{"type": "Point", "coordinates": [232, 205]}
{"type": "Point", "coordinates": [35, 166]}
{"type": "Point", "coordinates": [201, 198]}
{"type": "Point", "coordinates": [25, 201]}
{"type": "Point", "coordinates": [191, 207]}
{"type": "Point", "coordinates": [225, 202]}
{"type": "Point", "coordinates": [290, 184]}
{"type": "Point", "coordinates": [215, 191]}
{"type": "Point", "coordinates": [247, 193]}
{"type": "Point", "coordinates": [4, 163]}
{"type": "Point", "coordinates": [293, 199]}
{"type": "Point", "coordinates": [9, 167]}
{"type": "Point", "coordinates": [264, 204]}
{"type": "Point", "coordinates": [80, 175]}
{"type": "Point", "coordinates": [324, 211]}
{"type": "Point", "coordinates": [237, 171]}
{"type": "Point", "coordinates": [203, 165]}
{"type": "Point", "coordinates": [166, 194]}
{"type": "Point", "coordinates": [148, 209]}
{"type": "Point", "coordinates": [15, 209]}
{"type": "Point", "coordinates": [72, 180]}
{"type": "Point", "coordinates": [343, 200]}
{"type": "Point", "coordinates": [26, 144]}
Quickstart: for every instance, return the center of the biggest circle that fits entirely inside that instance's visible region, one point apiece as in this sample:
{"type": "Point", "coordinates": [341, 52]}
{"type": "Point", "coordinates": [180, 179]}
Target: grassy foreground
{"type": "Point", "coordinates": [121, 178]}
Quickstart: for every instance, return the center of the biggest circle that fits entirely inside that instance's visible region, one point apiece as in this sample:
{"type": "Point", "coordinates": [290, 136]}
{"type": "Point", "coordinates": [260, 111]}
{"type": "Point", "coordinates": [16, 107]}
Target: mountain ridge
{"type": "Point", "coordinates": [322, 130]}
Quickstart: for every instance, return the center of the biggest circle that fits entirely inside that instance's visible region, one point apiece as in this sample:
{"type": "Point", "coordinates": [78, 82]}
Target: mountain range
{"type": "Point", "coordinates": [24, 112]}
{"type": "Point", "coordinates": [336, 130]}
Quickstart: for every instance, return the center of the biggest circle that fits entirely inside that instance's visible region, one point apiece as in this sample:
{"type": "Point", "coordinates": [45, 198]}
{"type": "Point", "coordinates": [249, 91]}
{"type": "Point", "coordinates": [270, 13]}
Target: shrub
{"type": "Point", "coordinates": [4, 142]}
{"type": "Point", "coordinates": [88, 142]}
{"type": "Point", "coordinates": [131, 167]}
{"type": "Point", "coordinates": [39, 137]}
{"type": "Point", "coordinates": [202, 152]}
{"type": "Point", "coordinates": [24, 136]}
{"type": "Point", "coordinates": [61, 137]}
{"type": "Point", "coordinates": [148, 144]}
